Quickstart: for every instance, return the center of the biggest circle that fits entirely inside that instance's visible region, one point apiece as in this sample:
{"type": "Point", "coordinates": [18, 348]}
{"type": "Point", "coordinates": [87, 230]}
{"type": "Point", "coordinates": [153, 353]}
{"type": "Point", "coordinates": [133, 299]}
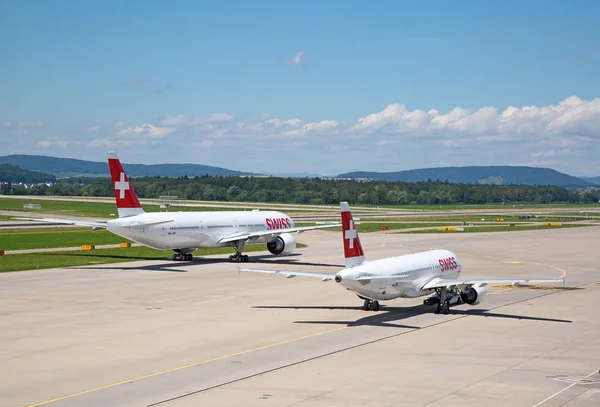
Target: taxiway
{"type": "Point", "coordinates": [168, 334]}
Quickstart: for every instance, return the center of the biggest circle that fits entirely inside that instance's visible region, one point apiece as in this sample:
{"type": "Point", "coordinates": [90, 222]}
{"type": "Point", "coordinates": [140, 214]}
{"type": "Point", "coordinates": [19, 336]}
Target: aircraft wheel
{"type": "Point", "coordinates": [366, 305]}
{"type": "Point", "coordinates": [375, 306]}
{"type": "Point", "coordinates": [446, 308]}
{"type": "Point", "coordinates": [231, 258]}
{"type": "Point", "coordinates": [437, 308]}
{"type": "Point", "coordinates": [245, 258]}
{"type": "Point", "coordinates": [174, 256]}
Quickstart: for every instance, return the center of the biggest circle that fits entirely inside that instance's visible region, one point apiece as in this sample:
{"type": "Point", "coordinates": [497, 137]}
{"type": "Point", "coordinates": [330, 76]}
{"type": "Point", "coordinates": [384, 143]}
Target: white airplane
{"type": "Point", "coordinates": [408, 276]}
{"type": "Point", "coordinates": [185, 232]}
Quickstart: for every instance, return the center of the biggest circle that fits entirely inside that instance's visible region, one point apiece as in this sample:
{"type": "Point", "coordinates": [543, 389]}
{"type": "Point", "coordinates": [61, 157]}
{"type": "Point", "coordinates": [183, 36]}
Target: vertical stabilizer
{"type": "Point", "coordinates": [353, 251]}
{"type": "Point", "coordinates": [127, 201]}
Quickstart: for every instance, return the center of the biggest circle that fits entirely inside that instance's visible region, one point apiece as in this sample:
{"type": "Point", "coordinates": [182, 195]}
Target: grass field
{"type": "Point", "coordinates": [503, 228]}
{"type": "Point", "coordinates": [90, 209]}
{"type": "Point", "coordinates": [375, 224]}
{"type": "Point", "coordinates": [33, 261]}
{"type": "Point", "coordinates": [40, 238]}
{"type": "Point", "coordinates": [376, 227]}
{"type": "Point", "coordinates": [539, 207]}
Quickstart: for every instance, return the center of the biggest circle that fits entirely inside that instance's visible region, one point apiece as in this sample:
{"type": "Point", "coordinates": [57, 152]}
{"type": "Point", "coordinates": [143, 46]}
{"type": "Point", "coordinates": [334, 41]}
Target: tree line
{"type": "Point", "coordinates": [315, 191]}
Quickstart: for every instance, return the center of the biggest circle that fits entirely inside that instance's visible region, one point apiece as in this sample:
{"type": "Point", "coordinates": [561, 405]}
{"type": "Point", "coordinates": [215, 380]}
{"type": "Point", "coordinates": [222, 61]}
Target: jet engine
{"type": "Point", "coordinates": [282, 245]}
{"type": "Point", "coordinates": [473, 295]}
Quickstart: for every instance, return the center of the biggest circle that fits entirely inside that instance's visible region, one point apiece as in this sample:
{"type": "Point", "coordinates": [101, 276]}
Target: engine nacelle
{"type": "Point", "coordinates": [473, 295]}
{"type": "Point", "coordinates": [282, 245]}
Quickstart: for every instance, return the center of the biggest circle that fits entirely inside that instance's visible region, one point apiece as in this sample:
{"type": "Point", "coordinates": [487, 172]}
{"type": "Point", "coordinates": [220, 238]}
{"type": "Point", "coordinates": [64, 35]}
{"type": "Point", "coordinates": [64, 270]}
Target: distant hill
{"type": "Point", "coordinates": [69, 167]}
{"type": "Point", "coordinates": [13, 173]}
{"type": "Point", "coordinates": [593, 180]}
{"type": "Point", "coordinates": [518, 175]}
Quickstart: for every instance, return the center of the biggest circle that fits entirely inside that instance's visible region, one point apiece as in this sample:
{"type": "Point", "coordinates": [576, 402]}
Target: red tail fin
{"type": "Point", "coordinates": [353, 251]}
{"type": "Point", "coordinates": [127, 201]}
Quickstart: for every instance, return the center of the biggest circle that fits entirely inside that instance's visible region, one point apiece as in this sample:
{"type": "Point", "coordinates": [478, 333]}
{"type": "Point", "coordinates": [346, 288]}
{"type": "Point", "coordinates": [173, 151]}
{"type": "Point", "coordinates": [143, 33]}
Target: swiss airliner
{"type": "Point", "coordinates": [436, 272]}
{"type": "Point", "coordinates": [185, 232]}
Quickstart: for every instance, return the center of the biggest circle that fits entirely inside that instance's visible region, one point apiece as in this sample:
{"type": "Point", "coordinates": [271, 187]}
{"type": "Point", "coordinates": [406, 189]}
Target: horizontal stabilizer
{"type": "Point", "coordinates": [93, 225]}
{"type": "Point", "coordinates": [291, 274]}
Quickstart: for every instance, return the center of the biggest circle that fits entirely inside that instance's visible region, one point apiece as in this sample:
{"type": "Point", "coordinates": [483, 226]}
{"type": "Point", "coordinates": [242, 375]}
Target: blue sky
{"type": "Point", "coordinates": [79, 77]}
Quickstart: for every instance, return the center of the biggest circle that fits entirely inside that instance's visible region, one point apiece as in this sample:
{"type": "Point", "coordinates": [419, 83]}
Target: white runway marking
{"type": "Point", "coordinates": [562, 391]}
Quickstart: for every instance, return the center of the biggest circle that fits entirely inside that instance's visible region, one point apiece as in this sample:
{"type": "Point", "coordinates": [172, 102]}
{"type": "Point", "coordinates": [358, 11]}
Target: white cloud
{"type": "Point", "coordinates": [55, 142]}
{"type": "Point", "coordinates": [31, 125]}
{"type": "Point", "coordinates": [93, 128]}
{"type": "Point", "coordinates": [571, 116]}
{"type": "Point", "coordinates": [146, 131]}
{"type": "Point", "coordinates": [408, 138]}
{"type": "Point", "coordinates": [297, 59]}
{"type": "Point", "coordinates": [565, 136]}
{"type": "Point", "coordinates": [22, 128]}
{"type": "Point", "coordinates": [115, 143]}
{"type": "Point", "coordinates": [181, 120]}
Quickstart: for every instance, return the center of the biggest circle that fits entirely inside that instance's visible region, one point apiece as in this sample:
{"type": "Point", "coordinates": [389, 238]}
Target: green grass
{"type": "Point", "coordinates": [376, 227]}
{"type": "Point", "coordinates": [33, 261]}
{"type": "Point", "coordinates": [374, 224]}
{"type": "Point", "coordinates": [90, 208]}
{"type": "Point", "coordinates": [505, 228]}
{"type": "Point", "coordinates": [538, 207]}
{"type": "Point", "coordinates": [40, 238]}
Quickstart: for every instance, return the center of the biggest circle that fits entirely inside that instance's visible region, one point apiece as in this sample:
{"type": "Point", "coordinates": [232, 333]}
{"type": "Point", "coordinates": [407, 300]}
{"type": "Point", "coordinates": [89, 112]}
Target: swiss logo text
{"type": "Point", "coordinates": [278, 223]}
{"type": "Point", "coordinates": [448, 264]}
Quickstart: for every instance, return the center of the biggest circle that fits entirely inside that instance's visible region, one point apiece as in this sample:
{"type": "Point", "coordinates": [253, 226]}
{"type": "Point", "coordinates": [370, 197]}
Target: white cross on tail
{"type": "Point", "coordinates": [122, 186]}
{"type": "Point", "coordinates": [351, 234]}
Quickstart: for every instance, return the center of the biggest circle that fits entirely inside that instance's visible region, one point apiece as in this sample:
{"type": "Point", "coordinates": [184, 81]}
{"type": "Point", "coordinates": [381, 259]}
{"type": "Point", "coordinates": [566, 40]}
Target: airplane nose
{"type": "Point", "coordinates": [338, 278]}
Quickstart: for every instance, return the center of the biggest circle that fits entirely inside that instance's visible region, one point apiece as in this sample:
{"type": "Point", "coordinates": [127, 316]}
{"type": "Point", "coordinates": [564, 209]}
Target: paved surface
{"type": "Point", "coordinates": [175, 334]}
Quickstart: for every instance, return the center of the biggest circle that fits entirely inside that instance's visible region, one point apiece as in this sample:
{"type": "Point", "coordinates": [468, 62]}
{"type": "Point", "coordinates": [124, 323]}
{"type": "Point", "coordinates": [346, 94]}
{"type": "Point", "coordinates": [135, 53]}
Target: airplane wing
{"type": "Point", "coordinates": [274, 232]}
{"type": "Point", "coordinates": [440, 282]}
{"type": "Point", "coordinates": [95, 225]}
{"type": "Point", "coordinates": [291, 274]}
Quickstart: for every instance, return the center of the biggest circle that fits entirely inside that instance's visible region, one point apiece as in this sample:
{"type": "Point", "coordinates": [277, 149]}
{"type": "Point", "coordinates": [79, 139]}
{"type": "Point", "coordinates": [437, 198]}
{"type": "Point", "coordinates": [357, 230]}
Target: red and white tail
{"type": "Point", "coordinates": [127, 201]}
{"type": "Point", "coordinates": [353, 251]}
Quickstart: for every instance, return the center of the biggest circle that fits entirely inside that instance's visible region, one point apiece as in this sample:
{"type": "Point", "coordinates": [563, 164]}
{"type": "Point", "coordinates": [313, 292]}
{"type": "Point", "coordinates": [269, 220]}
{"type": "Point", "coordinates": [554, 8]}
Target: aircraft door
{"type": "Point", "coordinates": [381, 283]}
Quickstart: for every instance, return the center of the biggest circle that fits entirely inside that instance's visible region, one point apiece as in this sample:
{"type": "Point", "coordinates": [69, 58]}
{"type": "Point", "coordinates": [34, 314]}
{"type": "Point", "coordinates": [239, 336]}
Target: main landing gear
{"type": "Point", "coordinates": [372, 305]}
{"type": "Point", "coordinates": [441, 300]}
{"type": "Point", "coordinates": [238, 257]}
{"type": "Point", "coordinates": [182, 256]}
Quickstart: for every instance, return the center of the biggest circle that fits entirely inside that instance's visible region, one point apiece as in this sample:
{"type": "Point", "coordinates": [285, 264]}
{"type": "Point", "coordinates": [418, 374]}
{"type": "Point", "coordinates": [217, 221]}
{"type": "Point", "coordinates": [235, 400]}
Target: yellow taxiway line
{"type": "Point", "coordinates": [175, 369]}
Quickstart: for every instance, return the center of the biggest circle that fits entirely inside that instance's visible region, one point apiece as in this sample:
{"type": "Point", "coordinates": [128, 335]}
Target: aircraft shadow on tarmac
{"type": "Point", "coordinates": [170, 265]}
{"type": "Point", "coordinates": [392, 314]}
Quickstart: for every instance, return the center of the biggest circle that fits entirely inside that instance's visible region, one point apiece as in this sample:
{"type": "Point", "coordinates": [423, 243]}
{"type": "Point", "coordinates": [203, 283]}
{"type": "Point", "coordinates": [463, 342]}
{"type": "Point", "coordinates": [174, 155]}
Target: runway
{"type": "Point", "coordinates": [177, 334]}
